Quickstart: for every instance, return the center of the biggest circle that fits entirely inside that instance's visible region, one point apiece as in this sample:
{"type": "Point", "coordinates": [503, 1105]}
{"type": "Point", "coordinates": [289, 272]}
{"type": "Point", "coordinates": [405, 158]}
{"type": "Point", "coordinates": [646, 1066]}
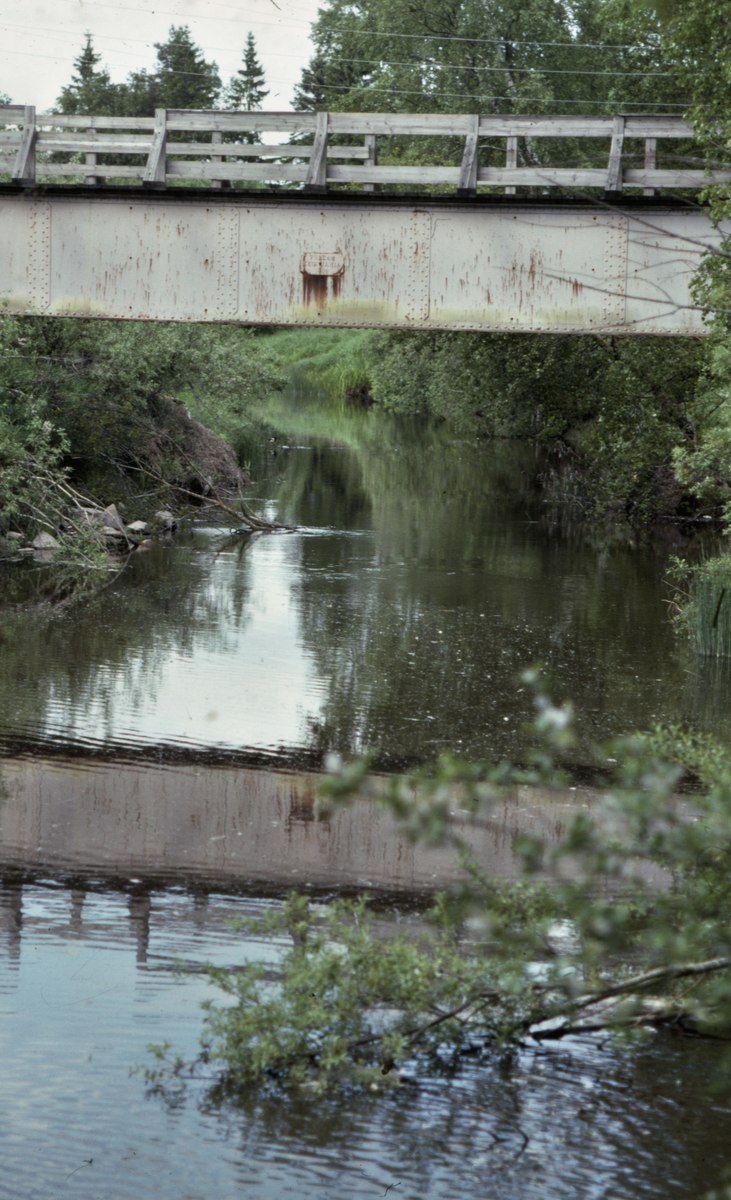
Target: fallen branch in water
{"type": "Point", "coordinates": [244, 517]}
{"type": "Point", "coordinates": [653, 1011]}
{"type": "Point", "coordinates": [658, 975]}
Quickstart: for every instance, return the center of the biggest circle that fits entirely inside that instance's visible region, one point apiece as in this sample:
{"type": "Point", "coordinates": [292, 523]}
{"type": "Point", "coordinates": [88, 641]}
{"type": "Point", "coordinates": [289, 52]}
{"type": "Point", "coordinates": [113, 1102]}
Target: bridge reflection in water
{"type": "Point", "coordinates": [238, 827]}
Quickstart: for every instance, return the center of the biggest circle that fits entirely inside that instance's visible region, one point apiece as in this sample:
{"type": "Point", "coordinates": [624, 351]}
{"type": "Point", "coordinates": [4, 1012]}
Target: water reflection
{"type": "Point", "coordinates": [96, 981]}
{"type": "Point", "coordinates": [426, 573]}
{"type": "Point", "coordinates": [230, 824]}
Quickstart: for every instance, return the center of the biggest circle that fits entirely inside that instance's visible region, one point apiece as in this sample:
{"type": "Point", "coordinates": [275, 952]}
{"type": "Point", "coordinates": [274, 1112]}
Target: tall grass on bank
{"type": "Point", "coordinates": [332, 362]}
{"type": "Point", "coordinates": [702, 603]}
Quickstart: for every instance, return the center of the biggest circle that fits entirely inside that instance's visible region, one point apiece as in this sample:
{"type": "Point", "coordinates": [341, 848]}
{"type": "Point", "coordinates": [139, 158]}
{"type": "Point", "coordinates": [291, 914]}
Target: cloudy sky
{"type": "Point", "coordinates": [40, 39]}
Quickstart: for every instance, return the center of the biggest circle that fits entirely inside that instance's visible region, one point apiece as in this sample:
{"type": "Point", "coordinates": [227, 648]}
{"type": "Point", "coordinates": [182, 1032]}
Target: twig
{"type": "Point", "coordinates": [388, 1186]}
{"type": "Point", "coordinates": [86, 1163]}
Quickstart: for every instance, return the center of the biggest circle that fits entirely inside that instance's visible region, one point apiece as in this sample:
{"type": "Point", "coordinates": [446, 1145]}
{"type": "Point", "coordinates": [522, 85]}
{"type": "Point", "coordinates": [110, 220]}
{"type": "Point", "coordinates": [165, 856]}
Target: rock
{"type": "Point", "coordinates": [166, 519]}
{"type": "Point", "coordinates": [112, 518]}
{"type": "Point", "coordinates": [45, 541]}
{"type": "Point", "coordinates": [14, 537]}
{"type": "Point", "coordinates": [138, 527]}
{"type": "Point", "coordinates": [116, 535]}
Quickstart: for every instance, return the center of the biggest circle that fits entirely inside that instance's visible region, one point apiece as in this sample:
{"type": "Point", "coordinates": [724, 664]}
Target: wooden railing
{"type": "Point", "coordinates": [29, 144]}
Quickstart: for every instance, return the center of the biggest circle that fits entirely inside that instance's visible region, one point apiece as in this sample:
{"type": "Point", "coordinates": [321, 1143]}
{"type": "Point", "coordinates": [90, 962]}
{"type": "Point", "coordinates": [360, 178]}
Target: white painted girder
{"type": "Point", "coordinates": [405, 263]}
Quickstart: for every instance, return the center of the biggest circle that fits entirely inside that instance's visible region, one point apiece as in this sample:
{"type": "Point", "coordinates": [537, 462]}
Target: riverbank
{"type": "Point", "coordinates": [624, 416]}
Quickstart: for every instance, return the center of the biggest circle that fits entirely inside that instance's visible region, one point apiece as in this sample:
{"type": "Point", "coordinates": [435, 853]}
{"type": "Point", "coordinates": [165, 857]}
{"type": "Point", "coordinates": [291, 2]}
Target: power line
{"type": "Point", "coordinates": [508, 67]}
{"type": "Point", "coordinates": [331, 87]}
{"type": "Point", "coordinates": [457, 67]}
{"type": "Point", "coordinates": [382, 62]}
{"type": "Point", "coordinates": [477, 41]}
{"type": "Point", "coordinates": [371, 32]}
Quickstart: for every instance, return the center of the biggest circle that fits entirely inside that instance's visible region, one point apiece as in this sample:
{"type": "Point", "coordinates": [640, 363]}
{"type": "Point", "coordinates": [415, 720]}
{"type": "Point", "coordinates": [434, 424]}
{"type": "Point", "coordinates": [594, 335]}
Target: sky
{"type": "Point", "coordinates": [39, 40]}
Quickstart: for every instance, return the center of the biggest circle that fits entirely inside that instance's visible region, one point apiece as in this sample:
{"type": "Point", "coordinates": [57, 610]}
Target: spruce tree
{"type": "Point", "coordinates": [310, 95]}
{"type": "Point", "coordinates": [183, 78]}
{"type": "Point", "coordinates": [91, 90]}
{"type": "Point", "coordinates": [246, 90]}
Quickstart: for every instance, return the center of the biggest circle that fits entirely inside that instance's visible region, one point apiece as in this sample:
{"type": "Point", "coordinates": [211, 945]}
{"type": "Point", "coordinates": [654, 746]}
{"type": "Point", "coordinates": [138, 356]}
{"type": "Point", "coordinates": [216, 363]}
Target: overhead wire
{"type": "Point", "coordinates": [363, 32]}
{"type": "Point", "coordinates": [383, 62]}
{"type": "Point", "coordinates": [327, 87]}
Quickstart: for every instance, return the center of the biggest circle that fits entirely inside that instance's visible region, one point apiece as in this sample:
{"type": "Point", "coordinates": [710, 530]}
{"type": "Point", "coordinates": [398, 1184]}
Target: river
{"type": "Point", "coordinates": [161, 750]}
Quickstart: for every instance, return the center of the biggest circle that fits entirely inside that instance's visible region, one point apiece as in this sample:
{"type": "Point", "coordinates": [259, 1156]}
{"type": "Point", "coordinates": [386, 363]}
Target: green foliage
{"type": "Point", "coordinates": [620, 403]}
{"type": "Point", "coordinates": [183, 78]}
{"type": "Point", "coordinates": [606, 929]}
{"type": "Point", "coordinates": [36, 495]}
{"type": "Point", "coordinates": [349, 1005]}
{"type": "Point", "coordinates": [91, 90]}
{"type": "Point", "coordinates": [93, 404]}
{"type": "Point", "coordinates": [472, 56]}
{"type": "Point", "coordinates": [104, 383]}
{"type": "Point", "coordinates": [702, 603]}
{"type": "Point", "coordinates": [699, 40]}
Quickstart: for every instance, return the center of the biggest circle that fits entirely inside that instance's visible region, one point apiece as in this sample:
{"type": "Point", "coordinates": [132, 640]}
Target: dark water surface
{"type": "Point", "coordinates": [424, 576]}
{"type": "Point", "coordinates": [161, 751]}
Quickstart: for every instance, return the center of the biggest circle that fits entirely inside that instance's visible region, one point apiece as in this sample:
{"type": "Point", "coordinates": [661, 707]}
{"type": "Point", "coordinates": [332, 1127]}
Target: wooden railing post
{"type": "Point", "coordinates": [371, 161]}
{"type": "Point", "coordinates": [24, 170]}
{"type": "Point", "coordinates": [216, 139]}
{"type": "Point", "coordinates": [316, 178]}
{"type": "Point", "coordinates": [613, 186]}
{"type": "Point", "coordinates": [511, 160]}
{"type": "Point", "coordinates": [467, 185]}
{"type": "Point", "coordinates": [650, 162]}
{"type": "Point", "coordinates": [91, 161]}
{"type": "Point", "coordinates": [154, 173]}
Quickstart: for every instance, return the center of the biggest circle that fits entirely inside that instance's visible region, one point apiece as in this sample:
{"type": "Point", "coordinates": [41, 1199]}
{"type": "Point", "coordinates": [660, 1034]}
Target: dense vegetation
{"type": "Point", "coordinates": [105, 412]}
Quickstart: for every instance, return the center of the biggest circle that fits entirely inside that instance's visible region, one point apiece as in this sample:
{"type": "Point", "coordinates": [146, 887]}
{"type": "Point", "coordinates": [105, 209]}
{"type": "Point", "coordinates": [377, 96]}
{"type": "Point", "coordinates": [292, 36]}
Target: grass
{"type": "Point", "coordinates": [712, 607]}
{"type": "Point", "coordinates": [331, 362]}
{"type": "Point", "coordinates": [705, 610]}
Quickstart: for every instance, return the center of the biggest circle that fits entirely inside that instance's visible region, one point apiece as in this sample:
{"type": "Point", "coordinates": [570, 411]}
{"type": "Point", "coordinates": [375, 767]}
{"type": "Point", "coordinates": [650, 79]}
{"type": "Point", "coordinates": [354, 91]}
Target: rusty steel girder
{"type": "Point", "coordinates": [396, 262]}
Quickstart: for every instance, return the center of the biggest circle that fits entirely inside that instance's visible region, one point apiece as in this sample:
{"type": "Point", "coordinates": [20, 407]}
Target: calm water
{"type": "Point", "coordinates": [87, 982]}
{"type": "Point", "coordinates": [424, 576]}
{"type": "Point", "coordinates": [160, 746]}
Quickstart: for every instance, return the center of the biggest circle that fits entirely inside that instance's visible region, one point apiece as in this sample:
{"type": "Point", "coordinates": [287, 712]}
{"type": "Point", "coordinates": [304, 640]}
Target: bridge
{"type": "Point", "coordinates": [189, 216]}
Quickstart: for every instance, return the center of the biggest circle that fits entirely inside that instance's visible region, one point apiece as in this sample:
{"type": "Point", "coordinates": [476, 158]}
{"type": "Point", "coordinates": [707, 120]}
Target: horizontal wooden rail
{"type": "Point", "coordinates": [31, 143]}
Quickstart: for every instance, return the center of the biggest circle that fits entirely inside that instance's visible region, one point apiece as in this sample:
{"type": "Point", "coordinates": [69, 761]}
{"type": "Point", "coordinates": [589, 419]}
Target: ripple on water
{"type": "Point", "coordinates": [89, 979]}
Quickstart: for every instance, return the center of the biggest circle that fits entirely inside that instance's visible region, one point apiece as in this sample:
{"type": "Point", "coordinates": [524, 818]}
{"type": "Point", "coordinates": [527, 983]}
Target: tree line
{"type": "Point", "coordinates": [181, 78]}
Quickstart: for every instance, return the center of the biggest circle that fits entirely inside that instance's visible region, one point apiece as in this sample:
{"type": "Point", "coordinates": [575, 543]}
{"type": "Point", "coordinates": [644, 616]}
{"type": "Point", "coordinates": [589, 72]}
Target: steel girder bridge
{"type": "Point", "coordinates": [189, 216]}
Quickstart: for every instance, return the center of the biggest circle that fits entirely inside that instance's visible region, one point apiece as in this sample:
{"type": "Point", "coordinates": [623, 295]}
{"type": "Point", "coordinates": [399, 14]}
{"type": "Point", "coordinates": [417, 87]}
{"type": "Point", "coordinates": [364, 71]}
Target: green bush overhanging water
{"type": "Point", "coordinates": [589, 938]}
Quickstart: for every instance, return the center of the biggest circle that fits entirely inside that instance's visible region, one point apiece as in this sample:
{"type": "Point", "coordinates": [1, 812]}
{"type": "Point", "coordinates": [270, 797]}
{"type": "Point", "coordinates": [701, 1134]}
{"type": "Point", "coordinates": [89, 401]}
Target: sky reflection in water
{"type": "Point", "coordinates": [426, 573]}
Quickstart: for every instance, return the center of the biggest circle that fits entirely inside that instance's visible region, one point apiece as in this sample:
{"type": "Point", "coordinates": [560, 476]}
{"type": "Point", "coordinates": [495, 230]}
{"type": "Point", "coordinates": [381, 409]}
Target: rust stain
{"type": "Point", "coordinates": [315, 289]}
{"type": "Point", "coordinates": [576, 287]}
{"type": "Point", "coordinates": [322, 276]}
